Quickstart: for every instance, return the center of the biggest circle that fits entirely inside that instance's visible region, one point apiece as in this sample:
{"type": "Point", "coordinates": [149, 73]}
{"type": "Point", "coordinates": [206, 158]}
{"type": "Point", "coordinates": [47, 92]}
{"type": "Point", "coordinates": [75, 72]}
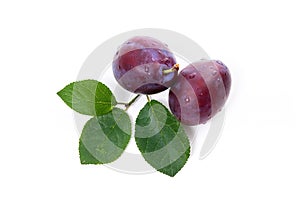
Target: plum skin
{"type": "Point", "coordinates": [139, 64]}
{"type": "Point", "coordinates": [200, 92]}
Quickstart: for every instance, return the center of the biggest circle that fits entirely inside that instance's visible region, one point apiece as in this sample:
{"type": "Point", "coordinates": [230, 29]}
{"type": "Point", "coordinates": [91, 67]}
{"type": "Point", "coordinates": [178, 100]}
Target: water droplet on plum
{"type": "Point", "coordinates": [220, 63]}
{"type": "Point", "coordinates": [187, 99]}
{"type": "Point", "coordinates": [146, 69]}
{"type": "Point", "coordinates": [192, 75]}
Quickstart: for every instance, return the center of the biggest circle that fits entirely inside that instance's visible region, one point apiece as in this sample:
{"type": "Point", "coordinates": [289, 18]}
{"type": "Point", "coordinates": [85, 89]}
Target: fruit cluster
{"type": "Point", "coordinates": [145, 65]}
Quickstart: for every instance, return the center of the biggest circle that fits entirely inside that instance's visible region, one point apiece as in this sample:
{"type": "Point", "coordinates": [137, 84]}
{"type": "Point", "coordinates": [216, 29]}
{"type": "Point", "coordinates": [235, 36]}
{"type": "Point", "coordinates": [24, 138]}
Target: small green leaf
{"type": "Point", "coordinates": [161, 139]}
{"type": "Point", "coordinates": [104, 138]}
{"type": "Point", "coordinates": [88, 97]}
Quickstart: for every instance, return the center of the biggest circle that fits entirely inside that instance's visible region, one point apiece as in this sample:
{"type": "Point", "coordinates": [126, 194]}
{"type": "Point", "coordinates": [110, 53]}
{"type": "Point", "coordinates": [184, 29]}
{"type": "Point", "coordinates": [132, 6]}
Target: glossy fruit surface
{"type": "Point", "coordinates": [200, 91]}
{"type": "Point", "coordinates": [139, 65]}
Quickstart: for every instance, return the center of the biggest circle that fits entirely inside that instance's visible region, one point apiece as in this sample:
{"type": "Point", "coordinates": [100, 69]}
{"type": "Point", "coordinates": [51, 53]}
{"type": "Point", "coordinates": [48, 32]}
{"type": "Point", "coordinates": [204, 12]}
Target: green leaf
{"type": "Point", "coordinates": [104, 138]}
{"type": "Point", "coordinates": [88, 97]}
{"type": "Point", "coordinates": [85, 156]}
{"type": "Point", "coordinates": [161, 139]}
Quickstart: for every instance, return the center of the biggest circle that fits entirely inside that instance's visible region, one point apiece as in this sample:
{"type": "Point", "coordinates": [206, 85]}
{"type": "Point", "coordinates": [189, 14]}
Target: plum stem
{"type": "Point", "coordinates": [127, 105]}
{"type": "Point", "coordinates": [173, 69]}
{"type": "Point", "coordinates": [148, 98]}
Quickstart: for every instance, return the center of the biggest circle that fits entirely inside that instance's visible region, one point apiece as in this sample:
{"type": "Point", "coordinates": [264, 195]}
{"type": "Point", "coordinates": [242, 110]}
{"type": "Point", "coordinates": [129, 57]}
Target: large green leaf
{"type": "Point", "coordinates": [161, 139]}
{"type": "Point", "coordinates": [88, 97]}
{"type": "Point", "coordinates": [104, 138]}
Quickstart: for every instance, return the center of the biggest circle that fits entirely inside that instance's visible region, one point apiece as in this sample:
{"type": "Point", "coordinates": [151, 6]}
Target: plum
{"type": "Point", "coordinates": [144, 65]}
{"type": "Point", "coordinates": [200, 92]}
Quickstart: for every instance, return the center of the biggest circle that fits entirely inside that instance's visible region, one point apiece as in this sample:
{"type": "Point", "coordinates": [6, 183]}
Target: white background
{"type": "Point", "coordinates": [43, 45]}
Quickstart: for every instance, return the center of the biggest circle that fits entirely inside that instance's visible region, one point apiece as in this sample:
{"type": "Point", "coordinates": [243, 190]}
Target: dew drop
{"type": "Point", "coordinates": [166, 45]}
{"type": "Point", "coordinates": [117, 52]}
{"type": "Point", "coordinates": [219, 62]}
{"type": "Point", "coordinates": [165, 59]}
{"type": "Point", "coordinates": [187, 99]}
{"type": "Point", "coordinates": [128, 42]}
{"type": "Point", "coordinates": [192, 75]}
{"type": "Point", "coordinates": [201, 94]}
{"type": "Point", "coordinates": [219, 82]}
{"type": "Point", "coordinates": [146, 69]}
{"type": "Point", "coordinates": [214, 72]}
